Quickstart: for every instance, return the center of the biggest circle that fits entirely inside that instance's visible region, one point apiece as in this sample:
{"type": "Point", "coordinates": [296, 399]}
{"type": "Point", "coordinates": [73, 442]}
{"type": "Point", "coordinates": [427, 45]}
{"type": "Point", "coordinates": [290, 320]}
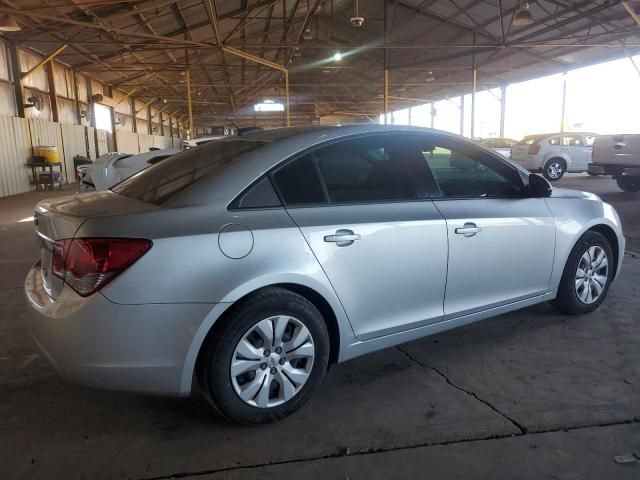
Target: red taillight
{"type": "Point", "coordinates": [534, 149]}
{"type": "Point", "coordinates": [88, 264]}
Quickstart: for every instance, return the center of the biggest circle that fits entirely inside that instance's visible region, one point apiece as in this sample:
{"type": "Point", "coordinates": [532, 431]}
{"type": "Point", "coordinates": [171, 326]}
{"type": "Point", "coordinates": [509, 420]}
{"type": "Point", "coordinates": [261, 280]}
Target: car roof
{"type": "Point", "coordinates": [278, 145]}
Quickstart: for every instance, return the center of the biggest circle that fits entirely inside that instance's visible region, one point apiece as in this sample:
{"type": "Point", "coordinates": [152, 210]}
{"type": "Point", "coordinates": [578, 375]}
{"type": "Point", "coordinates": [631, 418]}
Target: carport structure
{"type": "Point", "coordinates": [208, 62]}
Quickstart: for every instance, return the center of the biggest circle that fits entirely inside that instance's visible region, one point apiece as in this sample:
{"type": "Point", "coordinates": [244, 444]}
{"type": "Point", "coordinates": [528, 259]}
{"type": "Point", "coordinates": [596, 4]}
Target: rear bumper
{"type": "Point", "coordinates": [614, 169]}
{"type": "Point", "coordinates": [96, 343]}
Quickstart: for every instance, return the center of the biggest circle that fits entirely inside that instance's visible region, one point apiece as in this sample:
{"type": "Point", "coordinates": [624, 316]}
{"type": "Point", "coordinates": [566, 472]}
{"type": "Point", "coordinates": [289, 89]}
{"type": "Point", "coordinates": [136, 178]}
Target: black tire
{"type": "Point", "coordinates": [214, 363]}
{"type": "Point", "coordinates": [567, 300]}
{"type": "Point", "coordinates": [549, 167]}
{"type": "Point", "coordinates": [629, 183]}
{"type": "Point", "coordinates": [591, 174]}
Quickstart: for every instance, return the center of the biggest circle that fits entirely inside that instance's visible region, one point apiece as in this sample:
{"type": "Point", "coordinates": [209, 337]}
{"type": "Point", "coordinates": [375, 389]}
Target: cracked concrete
{"type": "Point", "coordinates": [518, 425]}
{"type": "Point", "coordinates": [532, 394]}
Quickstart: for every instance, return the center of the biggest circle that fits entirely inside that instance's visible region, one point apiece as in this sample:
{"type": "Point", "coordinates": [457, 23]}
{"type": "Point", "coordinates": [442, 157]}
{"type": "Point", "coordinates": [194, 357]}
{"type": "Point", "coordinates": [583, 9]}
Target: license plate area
{"type": "Point", "coordinates": [46, 259]}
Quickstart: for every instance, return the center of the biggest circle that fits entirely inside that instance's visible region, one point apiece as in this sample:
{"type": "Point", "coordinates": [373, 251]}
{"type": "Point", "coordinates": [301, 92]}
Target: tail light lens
{"type": "Point", "coordinates": [88, 264]}
{"type": "Point", "coordinates": [534, 149]}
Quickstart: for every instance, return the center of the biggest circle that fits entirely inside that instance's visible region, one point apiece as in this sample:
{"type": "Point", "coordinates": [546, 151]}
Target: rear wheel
{"type": "Point", "coordinates": [554, 169]}
{"type": "Point", "coordinates": [629, 183]}
{"type": "Point", "coordinates": [267, 360]}
{"type": "Point", "coordinates": [587, 275]}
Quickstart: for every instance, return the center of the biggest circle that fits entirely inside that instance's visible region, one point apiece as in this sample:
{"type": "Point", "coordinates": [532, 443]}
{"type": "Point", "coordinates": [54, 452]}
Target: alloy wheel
{"type": "Point", "coordinates": [272, 361]}
{"type": "Point", "coordinates": [591, 275]}
{"type": "Point", "coordinates": [554, 170]}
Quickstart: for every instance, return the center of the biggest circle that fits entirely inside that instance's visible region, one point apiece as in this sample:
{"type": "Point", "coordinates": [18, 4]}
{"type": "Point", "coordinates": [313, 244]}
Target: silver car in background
{"type": "Point", "coordinates": [111, 169]}
{"type": "Point", "coordinates": [499, 145]}
{"type": "Point", "coordinates": [253, 263]}
{"type": "Point", "coordinates": [554, 154]}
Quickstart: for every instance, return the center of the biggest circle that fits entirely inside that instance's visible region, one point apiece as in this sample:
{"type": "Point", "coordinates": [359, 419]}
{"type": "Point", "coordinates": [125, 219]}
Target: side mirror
{"type": "Point", "coordinates": [538, 186]}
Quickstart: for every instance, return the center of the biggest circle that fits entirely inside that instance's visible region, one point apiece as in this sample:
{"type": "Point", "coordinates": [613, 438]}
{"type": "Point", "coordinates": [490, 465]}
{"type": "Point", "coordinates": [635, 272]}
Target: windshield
{"type": "Point", "coordinates": [162, 181]}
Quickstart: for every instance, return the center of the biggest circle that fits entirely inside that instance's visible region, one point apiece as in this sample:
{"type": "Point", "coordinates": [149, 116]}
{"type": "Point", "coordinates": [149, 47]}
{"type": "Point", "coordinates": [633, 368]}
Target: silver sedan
{"type": "Point", "coordinates": [251, 264]}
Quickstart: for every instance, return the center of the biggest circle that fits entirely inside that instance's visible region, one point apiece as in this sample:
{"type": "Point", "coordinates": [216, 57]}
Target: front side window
{"type": "Point", "coordinates": [468, 173]}
{"type": "Point", "coordinates": [590, 139]}
{"type": "Point", "coordinates": [365, 169]}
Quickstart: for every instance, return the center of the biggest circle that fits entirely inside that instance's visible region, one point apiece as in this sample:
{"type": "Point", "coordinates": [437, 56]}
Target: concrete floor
{"type": "Point", "coordinates": [532, 394]}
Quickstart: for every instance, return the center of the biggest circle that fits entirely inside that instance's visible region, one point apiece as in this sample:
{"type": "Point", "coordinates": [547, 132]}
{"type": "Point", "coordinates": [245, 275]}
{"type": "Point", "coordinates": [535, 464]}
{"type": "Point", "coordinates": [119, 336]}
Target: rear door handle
{"type": "Point", "coordinates": [342, 237]}
{"type": "Point", "coordinates": [468, 230]}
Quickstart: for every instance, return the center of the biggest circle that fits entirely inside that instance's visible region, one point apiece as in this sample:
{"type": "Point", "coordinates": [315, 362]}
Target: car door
{"type": "Point", "coordinates": [381, 243]}
{"type": "Point", "coordinates": [501, 244]}
{"type": "Point", "coordinates": [579, 153]}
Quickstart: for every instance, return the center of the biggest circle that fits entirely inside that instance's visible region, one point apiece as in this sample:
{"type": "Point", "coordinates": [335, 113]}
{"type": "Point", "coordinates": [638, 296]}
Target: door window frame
{"type": "Point", "coordinates": [421, 190]}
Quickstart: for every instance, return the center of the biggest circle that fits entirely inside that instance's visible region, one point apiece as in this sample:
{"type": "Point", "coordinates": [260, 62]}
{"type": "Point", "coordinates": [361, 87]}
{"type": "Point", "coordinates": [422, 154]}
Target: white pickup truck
{"type": "Point", "coordinates": [618, 156]}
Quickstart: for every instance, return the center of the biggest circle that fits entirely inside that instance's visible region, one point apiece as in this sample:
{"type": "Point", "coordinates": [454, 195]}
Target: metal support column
{"type": "Point", "coordinates": [503, 107]}
{"type": "Point", "coordinates": [433, 115]}
{"type": "Point", "coordinates": [76, 100]}
{"type": "Point", "coordinates": [16, 75]}
{"type": "Point", "coordinates": [386, 66]}
{"type": "Point", "coordinates": [189, 105]}
{"type": "Point", "coordinates": [461, 114]}
{"type": "Point", "coordinates": [53, 98]}
{"type": "Point", "coordinates": [134, 117]}
{"type": "Point", "coordinates": [474, 87]}
{"type": "Point", "coordinates": [286, 93]}
{"type": "Point", "coordinates": [564, 101]}
{"type": "Point", "coordinates": [386, 97]}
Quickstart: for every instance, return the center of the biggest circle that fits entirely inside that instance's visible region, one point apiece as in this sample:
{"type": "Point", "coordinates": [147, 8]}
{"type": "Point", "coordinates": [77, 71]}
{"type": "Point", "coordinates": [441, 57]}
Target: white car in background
{"type": "Point", "coordinates": [500, 145]}
{"type": "Point", "coordinates": [553, 154]}
{"type": "Point", "coordinates": [112, 168]}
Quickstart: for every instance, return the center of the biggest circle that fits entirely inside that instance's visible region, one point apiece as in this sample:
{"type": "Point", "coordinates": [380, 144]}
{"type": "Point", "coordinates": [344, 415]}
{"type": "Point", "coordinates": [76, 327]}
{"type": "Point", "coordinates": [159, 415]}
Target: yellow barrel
{"type": "Point", "coordinates": [50, 153]}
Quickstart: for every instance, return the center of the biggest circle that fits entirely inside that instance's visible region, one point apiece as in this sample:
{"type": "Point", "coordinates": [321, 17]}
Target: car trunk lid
{"type": "Point", "coordinates": [58, 219]}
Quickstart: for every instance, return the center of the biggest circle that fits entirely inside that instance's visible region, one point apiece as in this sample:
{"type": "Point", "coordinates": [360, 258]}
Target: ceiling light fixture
{"type": "Point", "coordinates": [523, 15]}
{"type": "Point", "coordinates": [268, 106]}
{"type": "Point", "coordinates": [337, 57]}
{"type": "Point", "coordinates": [429, 77]}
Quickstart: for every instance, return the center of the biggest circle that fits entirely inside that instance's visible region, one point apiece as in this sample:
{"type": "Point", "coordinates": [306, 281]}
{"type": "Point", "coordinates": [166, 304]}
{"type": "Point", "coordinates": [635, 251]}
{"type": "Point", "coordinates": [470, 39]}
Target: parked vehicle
{"type": "Point", "coordinates": [110, 169]}
{"type": "Point", "coordinates": [554, 154]}
{"type": "Point", "coordinates": [618, 156]}
{"type": "Point", "coordinates": [500, 145]}
{"type": "Point", "coordinates": [252, 263]}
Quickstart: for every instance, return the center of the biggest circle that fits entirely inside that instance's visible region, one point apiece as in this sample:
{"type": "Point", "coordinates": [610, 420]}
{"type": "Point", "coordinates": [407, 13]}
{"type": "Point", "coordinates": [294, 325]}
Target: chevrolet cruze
{"type": "Point", "coordinates": [248, 265]}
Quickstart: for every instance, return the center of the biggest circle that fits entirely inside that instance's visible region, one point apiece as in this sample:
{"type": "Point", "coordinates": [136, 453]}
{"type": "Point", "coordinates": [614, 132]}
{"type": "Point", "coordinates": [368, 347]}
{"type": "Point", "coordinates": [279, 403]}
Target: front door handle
{"type": "Point", "coordinates": [342, 237]}
{"type": "Point", "coordinates": [468, 230]}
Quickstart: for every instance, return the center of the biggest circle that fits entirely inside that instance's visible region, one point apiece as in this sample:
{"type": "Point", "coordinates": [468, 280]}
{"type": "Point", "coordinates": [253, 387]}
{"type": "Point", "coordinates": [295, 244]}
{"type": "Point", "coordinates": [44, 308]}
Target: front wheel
{"type": "Point", "coordinates": [629, 183]}
{"type": "Point", "coordinates": [587, 275]}
{"type": "Point", "coordinates": [268, 358]}
{"type": "Point", "coordinates": [554, 169]}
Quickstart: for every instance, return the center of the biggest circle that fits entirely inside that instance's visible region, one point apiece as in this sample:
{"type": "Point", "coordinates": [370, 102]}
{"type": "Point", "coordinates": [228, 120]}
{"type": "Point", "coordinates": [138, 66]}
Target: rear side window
{"type": "Point", "coordinates": [298, 182]}
{"type": "Point", "coordinates": [260, 195]}
{"type": "Point", "coordinates": [162, 181]}
{"type": "Point", "coordinates": [367, 169]}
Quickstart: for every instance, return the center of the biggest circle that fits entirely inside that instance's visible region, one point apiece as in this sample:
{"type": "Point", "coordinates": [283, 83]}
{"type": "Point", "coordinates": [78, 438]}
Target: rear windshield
{"type": "Point", "coordinates": [162, 181]}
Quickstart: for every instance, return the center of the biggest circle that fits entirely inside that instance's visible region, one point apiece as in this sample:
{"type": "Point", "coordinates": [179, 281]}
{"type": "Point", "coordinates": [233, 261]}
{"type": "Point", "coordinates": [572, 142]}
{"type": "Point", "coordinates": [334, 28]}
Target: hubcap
{"type": "Point", "coordinates": [591, 275]}
{"type": "Point", "coordinates": [272, 361]}
{"type": "Point", "coordinates": [554, 170]}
